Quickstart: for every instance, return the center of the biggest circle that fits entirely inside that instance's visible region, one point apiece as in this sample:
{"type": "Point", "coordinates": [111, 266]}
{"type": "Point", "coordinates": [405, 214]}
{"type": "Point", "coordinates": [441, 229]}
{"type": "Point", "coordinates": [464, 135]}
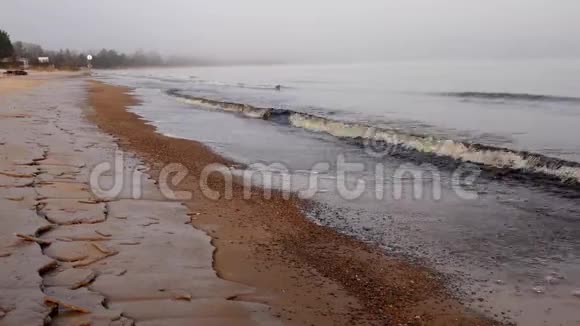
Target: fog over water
{"type": "Point", "coordinates": [304, 31]}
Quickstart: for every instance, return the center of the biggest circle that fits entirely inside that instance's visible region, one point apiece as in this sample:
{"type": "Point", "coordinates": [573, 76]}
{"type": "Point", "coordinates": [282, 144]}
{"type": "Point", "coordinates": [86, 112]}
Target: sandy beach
{"type": "Point", "coordinates": [73, 256]}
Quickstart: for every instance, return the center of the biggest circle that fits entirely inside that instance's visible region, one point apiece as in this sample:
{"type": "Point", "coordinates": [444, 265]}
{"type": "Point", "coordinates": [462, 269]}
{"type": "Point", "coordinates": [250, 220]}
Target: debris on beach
{"type": "Point", "coordinates": [148, 224]}
{"type": "Point", "coordinates": [100, 248]}
{"type": "Point", "coordinates": [101, 233]}
{"type": "Point", "coordinates": [129, 243]}
{"type": "Point", "coordinates": [56, 302]}
{"type": "Point", "coordinates": [71, 278]}
{"type": "Point", "coordinates": [16, 175]}
{"type": "Point", "coordinates": [33, 239]}
{"type": "Point", "coordinates": [20, 198]}
{"type": "Point", "coordinates": [16, 72]}
{"type": "Point", "coordinates": [88, 262]}
{"type": "Point", "coordinates": [182, 296]}
{"type": "Point", "coordinates": [115, 272]}
{"type": "Point", "coordinates": [539, 289]}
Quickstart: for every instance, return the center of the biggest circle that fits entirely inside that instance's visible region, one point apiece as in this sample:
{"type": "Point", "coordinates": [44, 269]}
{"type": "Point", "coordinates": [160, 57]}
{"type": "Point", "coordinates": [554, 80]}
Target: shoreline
{"type": "Point", "coordinates": [309, 274]}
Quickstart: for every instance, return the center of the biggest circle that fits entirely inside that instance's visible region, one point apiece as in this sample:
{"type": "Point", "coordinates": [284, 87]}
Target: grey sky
{"type": "Point", "coordinates": [303, 30]}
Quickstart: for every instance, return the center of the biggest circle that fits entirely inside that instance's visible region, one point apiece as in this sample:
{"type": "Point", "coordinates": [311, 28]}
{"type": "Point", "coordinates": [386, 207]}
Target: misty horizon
{"type": "Point", "coordinates": [303, 32]}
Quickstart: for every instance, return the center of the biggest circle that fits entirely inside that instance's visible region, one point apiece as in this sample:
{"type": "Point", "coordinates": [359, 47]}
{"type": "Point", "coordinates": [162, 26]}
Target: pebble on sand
{"type": "Point", "coordinates": [539, 289]}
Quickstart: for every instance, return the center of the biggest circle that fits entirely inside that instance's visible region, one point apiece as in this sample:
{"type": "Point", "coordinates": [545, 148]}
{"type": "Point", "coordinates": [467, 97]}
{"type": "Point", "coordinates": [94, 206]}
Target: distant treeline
{"type": "Point", "coordinates": [15, 52]}
{"type": "Point", "coordinates": [102, 59]}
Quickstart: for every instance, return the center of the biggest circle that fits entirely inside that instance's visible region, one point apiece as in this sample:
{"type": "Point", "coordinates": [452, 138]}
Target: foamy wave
{"type": "Point", "coordinates": [497, 157]}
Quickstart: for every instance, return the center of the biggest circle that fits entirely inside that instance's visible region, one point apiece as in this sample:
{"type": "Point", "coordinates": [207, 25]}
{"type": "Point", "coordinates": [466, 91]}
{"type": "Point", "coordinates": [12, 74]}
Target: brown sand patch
{"type": "Point", "coordinates": [311, 275]}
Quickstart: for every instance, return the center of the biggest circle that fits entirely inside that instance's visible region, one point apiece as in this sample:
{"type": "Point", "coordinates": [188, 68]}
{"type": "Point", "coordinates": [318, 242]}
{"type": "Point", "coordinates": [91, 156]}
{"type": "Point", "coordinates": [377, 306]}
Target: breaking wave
{"type": "Point", "coordinates": [567, 172]}
{"type": "Point", "coordinates": [510, 97]}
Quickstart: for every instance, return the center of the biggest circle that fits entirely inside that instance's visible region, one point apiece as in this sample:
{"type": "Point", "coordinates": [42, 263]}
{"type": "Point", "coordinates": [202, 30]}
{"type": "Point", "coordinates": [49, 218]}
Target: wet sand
{"type": "Point", "coordinates": [308, 274]}
{"type": "Point", "coordinates": [71, 256]}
